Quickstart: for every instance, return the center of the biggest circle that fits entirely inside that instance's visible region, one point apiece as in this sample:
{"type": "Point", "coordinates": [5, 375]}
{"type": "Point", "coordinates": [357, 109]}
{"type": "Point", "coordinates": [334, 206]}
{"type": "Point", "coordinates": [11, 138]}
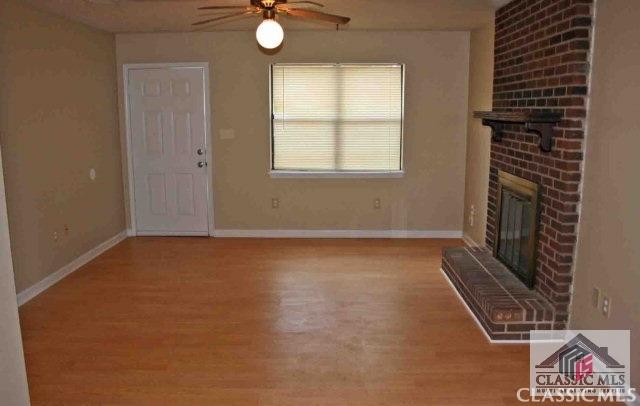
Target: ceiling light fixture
{"type": "Point", "coordinates": [270, 34]}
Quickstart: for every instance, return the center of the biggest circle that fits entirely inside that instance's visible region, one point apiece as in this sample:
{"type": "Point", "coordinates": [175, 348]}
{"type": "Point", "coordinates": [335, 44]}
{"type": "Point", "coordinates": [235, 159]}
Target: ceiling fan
{"type": "Point", "coordinates": [269, 33]}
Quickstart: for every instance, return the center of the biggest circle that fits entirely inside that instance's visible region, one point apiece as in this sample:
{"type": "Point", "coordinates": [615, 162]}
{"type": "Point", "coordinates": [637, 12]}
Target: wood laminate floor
{"type": "Point", "coordinates": [264, 322]}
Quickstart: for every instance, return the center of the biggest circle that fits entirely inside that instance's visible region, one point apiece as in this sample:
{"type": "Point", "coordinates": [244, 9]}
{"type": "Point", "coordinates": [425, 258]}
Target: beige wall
{"type": "Point", "coordinates": [478, 136]}
{"type": "Point", "coordinates": [13, 377]}
{"type": "Point", "coordinates": [608, 252]}
{"type": "Point", "coordinates": [58, 119]}
{"type": "Point", "coordinates": [429, 196]}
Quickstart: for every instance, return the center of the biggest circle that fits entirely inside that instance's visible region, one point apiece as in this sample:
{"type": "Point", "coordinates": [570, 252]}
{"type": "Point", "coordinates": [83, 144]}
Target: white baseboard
{"type": "Point", "coordinates": [34, 290]}
{"type": "Point", "coordinates": [171, 234]}
{"type": "Point", "coordinates": [337, 234]}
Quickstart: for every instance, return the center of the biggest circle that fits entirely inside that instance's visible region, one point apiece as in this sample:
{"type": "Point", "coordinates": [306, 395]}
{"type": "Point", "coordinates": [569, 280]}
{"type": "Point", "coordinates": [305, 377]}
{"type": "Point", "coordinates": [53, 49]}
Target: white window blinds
{"type": "Point", "coordinates": [337, 118]}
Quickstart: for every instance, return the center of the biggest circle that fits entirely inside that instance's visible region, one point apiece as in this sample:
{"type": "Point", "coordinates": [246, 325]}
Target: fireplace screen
{"type": "Point", "coordinates": [517, 226]}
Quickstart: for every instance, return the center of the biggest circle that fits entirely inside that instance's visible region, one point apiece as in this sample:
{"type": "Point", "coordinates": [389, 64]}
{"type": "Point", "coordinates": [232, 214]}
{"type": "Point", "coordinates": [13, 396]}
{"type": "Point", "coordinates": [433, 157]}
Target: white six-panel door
{"type": "Point", "coordinates": [167, 130]}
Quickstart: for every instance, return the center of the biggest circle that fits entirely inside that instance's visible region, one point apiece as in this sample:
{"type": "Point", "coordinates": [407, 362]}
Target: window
{"type": "Point", "coordinates": [337, 118]}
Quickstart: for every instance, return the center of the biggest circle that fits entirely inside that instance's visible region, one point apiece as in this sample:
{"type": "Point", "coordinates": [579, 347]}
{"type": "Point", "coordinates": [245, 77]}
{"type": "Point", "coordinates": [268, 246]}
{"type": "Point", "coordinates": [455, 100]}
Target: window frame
{"type": "Point", "coordinates": [279, 173]}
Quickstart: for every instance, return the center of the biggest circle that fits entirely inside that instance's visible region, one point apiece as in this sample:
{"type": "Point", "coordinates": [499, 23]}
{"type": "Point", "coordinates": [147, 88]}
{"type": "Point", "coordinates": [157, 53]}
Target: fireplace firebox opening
{"type": "Point", "coordinates": [517, 226]}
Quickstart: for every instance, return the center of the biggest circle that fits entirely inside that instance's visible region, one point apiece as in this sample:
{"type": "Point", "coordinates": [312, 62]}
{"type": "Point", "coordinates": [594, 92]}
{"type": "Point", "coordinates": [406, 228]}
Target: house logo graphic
{"type": "Point", "coordinates": [575, 359]}
{"type": "Point", "coordinates": [586, 362]}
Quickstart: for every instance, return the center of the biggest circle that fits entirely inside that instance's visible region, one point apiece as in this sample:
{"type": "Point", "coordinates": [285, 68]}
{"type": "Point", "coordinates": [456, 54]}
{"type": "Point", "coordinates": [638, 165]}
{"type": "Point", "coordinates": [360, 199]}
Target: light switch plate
{"type": "Point", "coordinates": [606, 306]}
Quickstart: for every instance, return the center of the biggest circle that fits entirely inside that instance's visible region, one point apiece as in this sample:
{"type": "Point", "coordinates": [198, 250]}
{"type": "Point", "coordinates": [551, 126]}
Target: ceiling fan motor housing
{"type": "Point", "coordinates": [267, 3]}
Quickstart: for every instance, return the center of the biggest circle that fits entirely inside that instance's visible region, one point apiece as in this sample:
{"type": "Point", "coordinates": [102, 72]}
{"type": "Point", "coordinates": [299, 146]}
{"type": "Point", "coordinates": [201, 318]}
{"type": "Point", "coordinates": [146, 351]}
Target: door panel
{"type": "Point", "coordinates": [167, 128]}
{"type": "Point", "coordinates": [183, 139]}
{"type": "Point", "coordinates": [157, 190]}
{"type": "Point", "coordinates": [153, 133]}
{"type": "Point", "coordinates": [186, 203]}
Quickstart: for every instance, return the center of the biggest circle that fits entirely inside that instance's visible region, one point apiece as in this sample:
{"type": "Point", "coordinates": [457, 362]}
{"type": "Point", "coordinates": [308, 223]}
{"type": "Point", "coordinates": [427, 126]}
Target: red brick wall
{"type": "Point", "coordinates": [542, 63]}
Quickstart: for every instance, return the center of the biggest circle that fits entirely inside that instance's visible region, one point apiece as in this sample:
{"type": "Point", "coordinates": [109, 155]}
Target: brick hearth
{"type": "Point", "coordinates": [505, 308]}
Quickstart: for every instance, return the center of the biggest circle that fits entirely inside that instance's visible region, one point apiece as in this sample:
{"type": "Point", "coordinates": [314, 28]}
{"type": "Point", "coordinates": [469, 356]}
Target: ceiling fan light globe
{"type": "Point", "coordinates": [270, 34]}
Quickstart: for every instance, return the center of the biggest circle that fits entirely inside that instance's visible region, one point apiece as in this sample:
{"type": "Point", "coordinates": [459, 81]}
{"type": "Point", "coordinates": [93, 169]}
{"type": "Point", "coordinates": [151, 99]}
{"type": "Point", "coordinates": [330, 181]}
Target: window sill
{"type": "Point", "coordinates": [305, 174]}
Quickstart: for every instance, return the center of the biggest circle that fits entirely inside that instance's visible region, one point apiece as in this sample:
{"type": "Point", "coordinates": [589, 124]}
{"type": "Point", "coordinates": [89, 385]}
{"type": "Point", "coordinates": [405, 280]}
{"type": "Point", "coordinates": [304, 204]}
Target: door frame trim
{"type": "Point", "coordinates": [204, 66]}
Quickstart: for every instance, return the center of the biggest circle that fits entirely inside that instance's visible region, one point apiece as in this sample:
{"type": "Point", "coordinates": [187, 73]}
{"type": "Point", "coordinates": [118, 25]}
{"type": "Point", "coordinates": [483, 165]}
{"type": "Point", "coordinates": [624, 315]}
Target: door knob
{"type": "Point", "coordinates": [200, 151]}
{"type": "Point", "coordinates": [202, 164]}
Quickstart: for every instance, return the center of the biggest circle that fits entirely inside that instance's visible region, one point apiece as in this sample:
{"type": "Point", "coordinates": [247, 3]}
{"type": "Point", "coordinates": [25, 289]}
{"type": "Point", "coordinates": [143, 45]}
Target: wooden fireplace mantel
{"type": "Point", "coordinates": [538, 122]}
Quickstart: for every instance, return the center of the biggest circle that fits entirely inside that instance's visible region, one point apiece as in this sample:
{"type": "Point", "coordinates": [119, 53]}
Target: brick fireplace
{"type": "Point", "coordinates": [542, 53]}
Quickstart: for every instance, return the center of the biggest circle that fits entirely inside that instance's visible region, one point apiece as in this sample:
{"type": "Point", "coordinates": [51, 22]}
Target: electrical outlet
{"type": "Point", "coordinates": [472, 215]}
{"type": "Point", "coordinates": [275, 203]}
{"type": "Point", "coordinates": [227, 134]}
{"type": "Point", "coordinates": [377, 203]}
{"type": "Point", "coordinates": [92, 174]}
{"type": "Point", "coordinates": [606, 306]}
{"type": "Point", "coordinates": [56, 236]}
{"type": "Point", "coordinates": [595, 297]}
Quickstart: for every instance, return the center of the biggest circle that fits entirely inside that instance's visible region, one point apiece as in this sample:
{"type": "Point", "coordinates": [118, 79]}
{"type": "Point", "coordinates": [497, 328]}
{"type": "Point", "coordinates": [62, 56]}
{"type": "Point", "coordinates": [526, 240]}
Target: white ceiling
{"type": "Point", "coordinates": [122, 16]}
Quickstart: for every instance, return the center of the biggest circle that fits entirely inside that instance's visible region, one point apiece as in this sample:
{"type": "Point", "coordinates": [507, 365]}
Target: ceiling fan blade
{"type": "Point", "coordinates": [224, 8]}
{"type": "Point", "coordinates": [312, 3]}
{"type": "Point", "coordinates": [316, 15]}
{"type": "Point", "coordinates": [211, 20]}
